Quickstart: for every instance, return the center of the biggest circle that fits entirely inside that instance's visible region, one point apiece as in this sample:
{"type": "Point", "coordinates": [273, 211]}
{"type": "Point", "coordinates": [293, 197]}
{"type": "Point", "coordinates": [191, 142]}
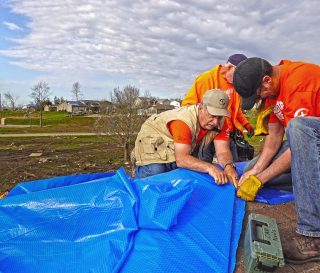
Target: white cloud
{"type": "Point", "coordinates": [11, 26]}
{"type": "Point", "coordinates": [159, 45]}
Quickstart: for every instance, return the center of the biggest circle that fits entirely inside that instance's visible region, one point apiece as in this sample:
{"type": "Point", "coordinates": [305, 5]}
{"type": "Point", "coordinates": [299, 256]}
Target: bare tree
{"type": "Point", "coordinates": [12, 99]}
{"type": "Point", "coordinates": [124, 123]}
{"type": "Point", "coordinates": [40, 93]}
{"type": "Point", "coordinates": [76, 91]}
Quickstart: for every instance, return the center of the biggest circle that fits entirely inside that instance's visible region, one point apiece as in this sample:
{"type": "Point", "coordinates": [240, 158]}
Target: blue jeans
{"type": "Point", "coordinates": [303, 135]}
{"type": "Point", "coordinates": [283, 181]}
{"type": "Point", "coordinates": [152, 169]}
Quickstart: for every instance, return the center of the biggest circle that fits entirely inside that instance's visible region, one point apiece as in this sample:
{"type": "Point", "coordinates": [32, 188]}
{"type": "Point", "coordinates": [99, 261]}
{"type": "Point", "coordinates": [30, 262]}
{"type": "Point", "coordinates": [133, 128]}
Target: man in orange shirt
{"type": "Point", "coordinates": [295, 89]}
{"type": "Point", "coordinates": [167, 140]}
{"type": "Point", "coordinates": [220, 77]}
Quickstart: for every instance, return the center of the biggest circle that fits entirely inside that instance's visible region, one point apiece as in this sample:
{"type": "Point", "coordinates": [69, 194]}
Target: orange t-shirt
{"type": "Point", "coordinates": [181, 133]}
{"type": "Point", "coordinates": [212, 79]}
{"type": "Point", "coordinates": [299, 92]}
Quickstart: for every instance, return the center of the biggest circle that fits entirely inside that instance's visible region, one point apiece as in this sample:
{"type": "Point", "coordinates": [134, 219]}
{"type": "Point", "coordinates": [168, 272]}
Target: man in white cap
{"type": "Point", "coordinates": [168, 140]}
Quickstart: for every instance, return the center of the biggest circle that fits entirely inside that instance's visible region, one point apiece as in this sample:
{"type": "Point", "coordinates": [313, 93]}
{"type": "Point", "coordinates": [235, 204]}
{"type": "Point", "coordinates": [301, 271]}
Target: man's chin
{"type": "Point", "coordinates": [213, 128]}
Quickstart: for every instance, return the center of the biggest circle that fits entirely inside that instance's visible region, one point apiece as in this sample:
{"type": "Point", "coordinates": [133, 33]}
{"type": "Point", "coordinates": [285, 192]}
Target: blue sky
{"type": "Point", "coordinates": [159, 46]}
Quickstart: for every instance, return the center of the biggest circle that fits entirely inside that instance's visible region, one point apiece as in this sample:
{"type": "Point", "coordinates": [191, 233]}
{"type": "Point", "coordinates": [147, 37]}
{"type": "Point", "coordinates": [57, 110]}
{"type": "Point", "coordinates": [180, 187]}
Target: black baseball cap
{"type": "Point", "coordinates": [247, 79]}
{"type": "Point", "coordinates": [235, 59]}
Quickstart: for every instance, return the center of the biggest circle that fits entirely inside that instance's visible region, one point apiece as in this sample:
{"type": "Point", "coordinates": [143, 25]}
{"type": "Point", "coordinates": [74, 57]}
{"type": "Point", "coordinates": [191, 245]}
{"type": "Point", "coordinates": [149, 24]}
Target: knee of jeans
{"type": "Point", "coordinates": [295, 125]}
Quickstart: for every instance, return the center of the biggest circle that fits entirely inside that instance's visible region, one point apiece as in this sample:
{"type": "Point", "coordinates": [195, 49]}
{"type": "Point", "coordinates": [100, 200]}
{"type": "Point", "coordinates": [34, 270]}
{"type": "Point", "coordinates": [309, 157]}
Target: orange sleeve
{"type": "Point", "coordinates": [238, 118]}
{"type": "Point", "coordinates": [191, 97]}
{"type": "Point", "coordinates": [224, 134]}
{"type": "Point", "coordinates": [180, 132]}
{"type": "Point", "coordinates": [242, 118]}
{"type": "Point", "coordinates": [200, 86]}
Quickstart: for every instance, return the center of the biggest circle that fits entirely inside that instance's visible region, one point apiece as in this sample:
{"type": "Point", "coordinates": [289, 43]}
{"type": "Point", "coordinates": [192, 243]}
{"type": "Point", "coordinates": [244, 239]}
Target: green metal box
{"type": "Point", "coordinates": [262, 245]}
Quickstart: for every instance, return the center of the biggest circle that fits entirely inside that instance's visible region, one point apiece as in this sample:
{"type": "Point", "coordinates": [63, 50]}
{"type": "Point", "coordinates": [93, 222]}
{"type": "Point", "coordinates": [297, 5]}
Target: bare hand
{"type": "Point", "coordinates": [219, 176]}
{"type": "Point", "coordinates": [232, 175]}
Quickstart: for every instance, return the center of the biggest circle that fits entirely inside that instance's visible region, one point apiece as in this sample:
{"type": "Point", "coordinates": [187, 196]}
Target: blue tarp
{"type": "Point", "coordinates": [269, 195]}
{"type": "Point", "coordinates": [175, 222]}
{"type": "Point", "coordinates": [179, 221]}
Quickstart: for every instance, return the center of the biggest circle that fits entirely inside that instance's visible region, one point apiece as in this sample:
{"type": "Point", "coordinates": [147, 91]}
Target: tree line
{"type": "Point", "coordinates": [40, 93]}
{"type": "Point", "coordinates": [122, 125]}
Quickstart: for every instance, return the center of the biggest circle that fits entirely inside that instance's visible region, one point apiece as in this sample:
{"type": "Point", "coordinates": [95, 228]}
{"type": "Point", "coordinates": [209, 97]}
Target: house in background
{"type": "Point", "coordinates": [107, 107]}
{"type": "Point", "coordinates": [72, 107]}
{"type": "Point", "coordinates": [92, 106]}
{"type": "Point", "coordinates": [163, 101]}
{"type": "Point", "coordinates": [50, 108]}
{"type": "Point", "coordinates": [31, 107]}
{"type": "Point", "coordinates": [175, 103]}
{"type": "Point", "coordinates": [158, 108]}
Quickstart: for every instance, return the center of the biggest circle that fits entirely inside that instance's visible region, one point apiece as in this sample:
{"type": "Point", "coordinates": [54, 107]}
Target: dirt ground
{"type": "Point", "coordinates": [59, 156]}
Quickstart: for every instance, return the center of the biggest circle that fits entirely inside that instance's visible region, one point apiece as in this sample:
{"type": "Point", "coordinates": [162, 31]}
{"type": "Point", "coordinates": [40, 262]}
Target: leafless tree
{"type": "Point", "coordinates": [76, 91]}
{"type": "Point", "coordinates": [124, 123]}
{"type": "Point", "coordinates": [40, 93]}
{"type": "Point", "coordinates": [12, 99]}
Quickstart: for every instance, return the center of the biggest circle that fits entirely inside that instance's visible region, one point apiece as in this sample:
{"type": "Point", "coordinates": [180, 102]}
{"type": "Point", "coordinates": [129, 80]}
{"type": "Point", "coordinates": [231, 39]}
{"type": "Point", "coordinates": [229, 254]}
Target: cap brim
{"type": "Point", "coordinates": [248, 103]}
{"type": "Point", "coordinates": [218, 112]}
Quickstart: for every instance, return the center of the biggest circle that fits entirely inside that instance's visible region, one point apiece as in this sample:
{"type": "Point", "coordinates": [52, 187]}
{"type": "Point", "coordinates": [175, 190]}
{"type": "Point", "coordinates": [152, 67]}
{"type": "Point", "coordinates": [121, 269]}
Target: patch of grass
{"type": "Point", "coordinates": [52, 122]}
{"type": "Point", "coordinates": [11, 113]}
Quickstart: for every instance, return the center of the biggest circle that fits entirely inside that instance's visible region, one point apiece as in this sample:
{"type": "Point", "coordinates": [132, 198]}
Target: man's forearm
{"type": "Point", "coordinates": [193, 163]}
{"type": "Point", "coordinates": [279, 166]}
{"type": "Point", "coordinates": [224, 158]}
{"type": "Point", "coordinates": [223, 152]}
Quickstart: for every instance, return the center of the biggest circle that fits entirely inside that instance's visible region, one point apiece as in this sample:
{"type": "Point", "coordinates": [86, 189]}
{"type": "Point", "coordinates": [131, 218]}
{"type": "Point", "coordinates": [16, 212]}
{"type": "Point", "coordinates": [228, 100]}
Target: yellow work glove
{"type": "Point", "coordinates": [249, 188]}
{"type": "Point", "coordinates": [262, 121]}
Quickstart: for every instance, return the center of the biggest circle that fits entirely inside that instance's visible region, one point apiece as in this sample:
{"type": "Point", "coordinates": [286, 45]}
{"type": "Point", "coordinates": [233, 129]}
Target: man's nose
{"type": "Point", "coordinates": [216, 120]}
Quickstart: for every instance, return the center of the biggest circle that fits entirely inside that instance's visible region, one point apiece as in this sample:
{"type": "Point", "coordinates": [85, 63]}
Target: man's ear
{"type": "Point", "coordinates": [266, 79]}
{"type": "Point", "coordinates": [229, 66]}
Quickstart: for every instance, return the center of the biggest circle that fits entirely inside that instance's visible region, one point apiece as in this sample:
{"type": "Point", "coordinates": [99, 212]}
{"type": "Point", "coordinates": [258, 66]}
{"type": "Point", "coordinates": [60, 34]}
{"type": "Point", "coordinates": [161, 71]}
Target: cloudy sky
{"type": "Point", "coordinates": [156, 45]}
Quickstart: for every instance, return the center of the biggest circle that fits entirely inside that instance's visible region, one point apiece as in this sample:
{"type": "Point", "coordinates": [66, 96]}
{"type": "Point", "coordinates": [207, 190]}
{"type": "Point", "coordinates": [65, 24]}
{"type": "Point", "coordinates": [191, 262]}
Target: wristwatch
{"type": "Point", "coordinates": [231, 164]}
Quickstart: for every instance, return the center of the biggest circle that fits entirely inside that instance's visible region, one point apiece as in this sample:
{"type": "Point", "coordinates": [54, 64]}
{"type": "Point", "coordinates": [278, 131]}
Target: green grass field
{"type": "Point", "coordinates": [51, 121]}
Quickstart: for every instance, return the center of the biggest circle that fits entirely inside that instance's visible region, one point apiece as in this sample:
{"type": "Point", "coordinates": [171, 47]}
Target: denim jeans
{"type": "Point", "coordinates": [303, 135]}
{"type": "Point", "coordinates": [282, 181]}
{"type": "Point", "coordinates": [152, 169]}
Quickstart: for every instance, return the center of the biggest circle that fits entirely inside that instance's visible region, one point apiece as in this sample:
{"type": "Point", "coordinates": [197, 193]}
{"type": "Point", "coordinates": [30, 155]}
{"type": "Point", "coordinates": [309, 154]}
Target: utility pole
{"type": "Point", "coordinates": [0, 103]}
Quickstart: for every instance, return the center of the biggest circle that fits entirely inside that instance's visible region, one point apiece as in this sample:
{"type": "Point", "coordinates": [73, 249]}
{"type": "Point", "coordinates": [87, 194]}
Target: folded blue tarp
{"type": "Point", "coordinates": [175, 222]}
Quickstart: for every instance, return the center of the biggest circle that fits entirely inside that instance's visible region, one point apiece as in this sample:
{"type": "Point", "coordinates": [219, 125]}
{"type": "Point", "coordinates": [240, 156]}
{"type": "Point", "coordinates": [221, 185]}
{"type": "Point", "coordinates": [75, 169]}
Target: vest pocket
{"type": "Point", "coordinates": [152, 147]}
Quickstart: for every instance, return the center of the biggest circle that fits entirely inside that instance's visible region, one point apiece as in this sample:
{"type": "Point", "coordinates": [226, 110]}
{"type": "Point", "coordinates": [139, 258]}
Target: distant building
{"type": "Point", "coordinates": [30, 107]}
{"type": "Point", "coordinates": [155, 109]}
{"type": "Point", "coordinates": [106, 107]}
{"type": "Point", "coordinates": [72, 107]}
{"type": "Point", "coordinates": [163, 101]}
{"type": "Point", "coordinates": [92, 106]}
{"type": "Point", "coordinates": [144, 102]}
{"type": "Point", "coordinates": [175, 104]}
{"type": "Point", "coordinates": [50, 108]}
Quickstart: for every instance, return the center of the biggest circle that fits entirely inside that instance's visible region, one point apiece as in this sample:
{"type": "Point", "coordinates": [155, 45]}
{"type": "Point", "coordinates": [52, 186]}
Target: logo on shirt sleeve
{"type": "Point", "coordinates": [278, 110]}
{"type": "Point", "coordinates": [301, 112]}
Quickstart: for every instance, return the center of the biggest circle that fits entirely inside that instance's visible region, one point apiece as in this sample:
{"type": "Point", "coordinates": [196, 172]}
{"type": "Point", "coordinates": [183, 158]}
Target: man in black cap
{"type": "Point", "coordinates": [220, 77]}
{"type": "Point", "coordinates": [294, 89]}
